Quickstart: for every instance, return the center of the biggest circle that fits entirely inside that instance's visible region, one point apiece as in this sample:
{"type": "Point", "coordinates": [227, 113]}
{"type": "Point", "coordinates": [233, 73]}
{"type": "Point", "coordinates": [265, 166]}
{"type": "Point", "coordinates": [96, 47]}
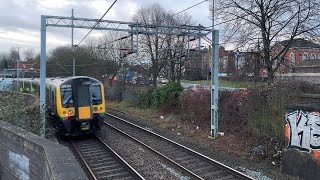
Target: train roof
{"type": "Point", "coordinates": [55, 81]}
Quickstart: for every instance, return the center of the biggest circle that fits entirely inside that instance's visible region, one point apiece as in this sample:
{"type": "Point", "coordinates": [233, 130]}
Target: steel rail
{"type": "Point", "coordinates": [123, 161]}
{"type": "Point", "coordinates": [84, 161]}
{"type": "Point", "coordinates": [208, 159]}
{"type": "Point", "coordinates": [155, 151]}
{"type": "Point", "coordinates": [111, 152]}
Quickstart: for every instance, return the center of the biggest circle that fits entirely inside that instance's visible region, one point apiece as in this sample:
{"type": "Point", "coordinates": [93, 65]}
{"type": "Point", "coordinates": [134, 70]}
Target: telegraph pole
{"type": "Point", "coordinates": [72, 46]}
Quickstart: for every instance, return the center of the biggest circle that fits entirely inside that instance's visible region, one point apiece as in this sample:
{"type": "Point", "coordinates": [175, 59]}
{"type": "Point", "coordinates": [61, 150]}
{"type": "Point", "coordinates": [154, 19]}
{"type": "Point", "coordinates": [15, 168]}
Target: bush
{"type": "Point", "coordinates": [146, 98]}
{"type": "Point", "coordinates": [20, 110]}
{"type": "Point", "coordinates": [168, 93]}
{"type": "Point", "coordinates": [232, 115]}
{"type": "Point", "coordinates": [265, 107]}
{"type": "Point", "coordinates": [195, 108]}
{"type": "Point", "coordinates": [162, 97]}
{"type": "Point", "coordinates": [260, 113]}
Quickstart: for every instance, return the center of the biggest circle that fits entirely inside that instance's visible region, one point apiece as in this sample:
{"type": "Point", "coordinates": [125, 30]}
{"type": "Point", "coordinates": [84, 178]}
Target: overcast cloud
{"type": "Point", "coordinates": [20, 19]}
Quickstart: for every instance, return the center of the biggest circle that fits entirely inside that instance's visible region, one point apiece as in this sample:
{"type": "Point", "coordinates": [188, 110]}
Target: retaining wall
{"type": "Point", "coordinates": [313, 78]}
{"type": "Point", "coordinates": [24, 155]}
{"type": "Point", "coordinates": [302, 131]}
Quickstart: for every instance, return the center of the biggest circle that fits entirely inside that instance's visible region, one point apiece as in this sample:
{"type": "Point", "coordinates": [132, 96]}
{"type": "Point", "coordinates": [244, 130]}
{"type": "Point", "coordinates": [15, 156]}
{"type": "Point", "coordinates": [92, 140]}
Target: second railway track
{"type": "Point", "coordinates": [195, 164]}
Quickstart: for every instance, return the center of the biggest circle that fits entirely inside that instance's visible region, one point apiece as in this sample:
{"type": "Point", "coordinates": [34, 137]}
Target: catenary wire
{"type": "Point", "coordinates": [97, 22]}
{"type": "Point", "coordinates": [189, 8]}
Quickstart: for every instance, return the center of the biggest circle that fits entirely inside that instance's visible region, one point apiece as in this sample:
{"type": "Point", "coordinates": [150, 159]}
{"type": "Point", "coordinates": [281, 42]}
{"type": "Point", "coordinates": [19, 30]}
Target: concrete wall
{"type": "Point", "coordinates": [302, 131]}
{"type": "Point", "coordinates": [301, 164]}
{"type": "Point", "coordinates": [25, 156]}
{"type": "Point", "coordinates": [307, 77]}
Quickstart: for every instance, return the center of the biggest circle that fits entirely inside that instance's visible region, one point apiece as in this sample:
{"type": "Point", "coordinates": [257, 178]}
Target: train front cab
{"type": "Point", "coordinates": [81, 107]}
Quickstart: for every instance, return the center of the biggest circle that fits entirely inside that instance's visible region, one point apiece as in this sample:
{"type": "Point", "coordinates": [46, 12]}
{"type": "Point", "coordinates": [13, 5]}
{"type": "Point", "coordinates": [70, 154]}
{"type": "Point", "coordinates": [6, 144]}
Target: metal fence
{"type": "Point", "coordinates": [119, 92]}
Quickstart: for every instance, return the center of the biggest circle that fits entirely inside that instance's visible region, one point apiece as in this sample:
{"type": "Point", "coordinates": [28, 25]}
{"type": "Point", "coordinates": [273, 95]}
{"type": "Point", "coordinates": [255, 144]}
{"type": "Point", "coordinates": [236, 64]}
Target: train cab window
{"type": "Point", "coordinates": [96, 94]}
{"type": "Point", "coordinates": [67, 97]}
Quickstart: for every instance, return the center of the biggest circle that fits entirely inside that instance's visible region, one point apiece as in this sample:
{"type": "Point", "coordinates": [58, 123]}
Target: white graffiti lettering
{"type": "Point", "coordinates": [20, 165]}
{"type": "Point", "coordinates": [305, 130]}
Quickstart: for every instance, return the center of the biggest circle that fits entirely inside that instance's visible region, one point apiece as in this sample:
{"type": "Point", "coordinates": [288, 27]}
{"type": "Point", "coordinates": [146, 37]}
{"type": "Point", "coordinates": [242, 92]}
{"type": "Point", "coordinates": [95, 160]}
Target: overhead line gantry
{"type": "Point", "coordinates": [133, 28]}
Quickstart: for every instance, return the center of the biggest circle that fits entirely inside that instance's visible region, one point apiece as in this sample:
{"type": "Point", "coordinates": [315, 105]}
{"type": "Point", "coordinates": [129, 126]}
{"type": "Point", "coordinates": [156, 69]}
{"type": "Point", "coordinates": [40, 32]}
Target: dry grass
{"type": "Point", "coordinates": [230, 143]}
{"type": "Point", "coordinates": [132, 109]}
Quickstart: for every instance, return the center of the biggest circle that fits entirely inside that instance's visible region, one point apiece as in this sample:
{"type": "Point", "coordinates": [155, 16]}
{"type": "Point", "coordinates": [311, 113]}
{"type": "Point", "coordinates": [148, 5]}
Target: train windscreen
{"type": "Point", "coordinates": [96, 94]}
{"type": "Point", "coordinates": [66, 96]}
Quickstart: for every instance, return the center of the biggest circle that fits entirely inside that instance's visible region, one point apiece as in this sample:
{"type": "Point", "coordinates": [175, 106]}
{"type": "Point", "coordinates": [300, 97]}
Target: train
{"type": "Point", "coordinates": [74, 105]}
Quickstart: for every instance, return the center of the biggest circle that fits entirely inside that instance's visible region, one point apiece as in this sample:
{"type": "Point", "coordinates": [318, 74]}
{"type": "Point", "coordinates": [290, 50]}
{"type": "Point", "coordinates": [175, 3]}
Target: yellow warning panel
{"type": "Point", "coordinates": [84, 112]}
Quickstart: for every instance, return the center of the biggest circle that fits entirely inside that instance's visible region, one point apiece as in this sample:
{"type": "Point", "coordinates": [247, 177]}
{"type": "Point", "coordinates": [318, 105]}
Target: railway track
{"type": "Point", "coordinates": [102, 162]}
{"type": "Point", "coordinates": [196, 165]}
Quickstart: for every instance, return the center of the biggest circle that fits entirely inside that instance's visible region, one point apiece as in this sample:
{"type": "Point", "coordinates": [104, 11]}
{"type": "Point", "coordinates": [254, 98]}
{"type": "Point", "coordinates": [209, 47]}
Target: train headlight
{"type": "Point", "coordinates": [95, 109]}
{"type": "Point", "coordinates": [70, 112]}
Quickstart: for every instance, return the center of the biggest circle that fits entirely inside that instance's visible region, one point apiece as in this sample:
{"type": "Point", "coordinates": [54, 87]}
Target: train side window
{"type": "Point", "coordinates": [50, 94]}
{"type": "Point", "coordinates": [53, 98]}
{"type": "Point", "coordinates": [38, 89]}
{"type": "Point", "coordinates": [47, 95]}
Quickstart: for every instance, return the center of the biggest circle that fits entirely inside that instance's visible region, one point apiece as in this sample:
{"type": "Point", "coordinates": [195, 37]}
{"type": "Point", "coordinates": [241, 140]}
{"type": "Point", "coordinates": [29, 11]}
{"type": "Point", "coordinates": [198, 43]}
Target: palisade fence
{"type": "Point", "coordinates": [119, 91]}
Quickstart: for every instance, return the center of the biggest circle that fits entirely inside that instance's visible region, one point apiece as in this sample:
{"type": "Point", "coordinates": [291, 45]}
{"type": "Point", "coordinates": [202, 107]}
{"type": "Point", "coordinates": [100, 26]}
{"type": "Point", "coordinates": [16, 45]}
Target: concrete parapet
{"type": "Point", "coordinates": [24, 155]}
{"type": "Point", "coordinates": [313, 78]}
{"type": "Point", "coordinates": [301, 164]}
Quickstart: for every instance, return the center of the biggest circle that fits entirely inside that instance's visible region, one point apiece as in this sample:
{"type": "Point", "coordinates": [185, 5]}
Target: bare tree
{"type": "Point", "coordinates": [262, 23]}
{"type": "Point", "coordinates": [164, 51]}
{"type": "Point", "coordinates": [60, 62]}
{"type": "Point", "coordinates": [14, 56]}
{"type": "Point", "coordinates": [153, 45]}
{"type": "Point", "coordinates": [4, 59]}
{"type": "Point", "coordinates": [29, 54]}
{"type": "Point", "coordinates": [111, 53]}
{"type": "Point", "coordinates": [177, 47]}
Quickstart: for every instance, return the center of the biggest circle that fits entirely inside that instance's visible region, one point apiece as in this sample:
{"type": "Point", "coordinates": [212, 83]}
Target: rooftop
{"type": "Point", "coordinates": [300, 43]}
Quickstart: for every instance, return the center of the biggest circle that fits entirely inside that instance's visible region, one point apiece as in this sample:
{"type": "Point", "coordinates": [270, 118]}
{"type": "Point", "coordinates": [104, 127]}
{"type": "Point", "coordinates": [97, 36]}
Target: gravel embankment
{"type": "Point", "coordinates": [258, 170]}
{"type": "Point", "coordinates": [147, 163]}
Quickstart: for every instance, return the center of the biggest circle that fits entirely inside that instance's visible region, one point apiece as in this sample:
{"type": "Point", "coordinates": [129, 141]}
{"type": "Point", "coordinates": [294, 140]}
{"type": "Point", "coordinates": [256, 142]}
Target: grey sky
{"type": "Point", "coordinates": [20, 19]}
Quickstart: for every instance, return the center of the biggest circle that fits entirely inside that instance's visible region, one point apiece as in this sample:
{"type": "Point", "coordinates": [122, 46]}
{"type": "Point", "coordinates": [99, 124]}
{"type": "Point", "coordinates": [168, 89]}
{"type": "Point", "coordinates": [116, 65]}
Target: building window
{"type": "Point", "coordinates": [319, 56]}
{"type": "Point", "coordinates": [312, 56]}
{"type": "Point", "coordinates": [292, 59]}
{"type": "Point", "coordinates": [304, 56]}
{"type": "Point", "coordinates": [225, 62]}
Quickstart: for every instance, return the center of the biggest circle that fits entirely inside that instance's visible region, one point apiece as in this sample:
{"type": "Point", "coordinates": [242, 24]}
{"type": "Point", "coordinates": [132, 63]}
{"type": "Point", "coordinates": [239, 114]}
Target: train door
{"type": "Point", "coordinates": [81, 88]}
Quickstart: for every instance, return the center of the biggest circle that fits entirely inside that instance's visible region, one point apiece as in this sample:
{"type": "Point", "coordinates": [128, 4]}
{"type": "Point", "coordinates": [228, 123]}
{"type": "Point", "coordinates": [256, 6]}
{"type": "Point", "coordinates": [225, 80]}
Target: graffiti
{"type": "Point", "coordinates": [20, 165]}
{"type": "Point", "coordinates": [303, 130]}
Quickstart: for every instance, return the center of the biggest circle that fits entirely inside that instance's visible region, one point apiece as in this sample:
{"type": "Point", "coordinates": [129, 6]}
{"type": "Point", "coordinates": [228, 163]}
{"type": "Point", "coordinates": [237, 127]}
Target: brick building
{"type": "Point", "coordinates": [198, 65]}
{"type": "Point", "coordinates": [300, 50]}
{"type": "Point", "coordinates": [237, 62]}
{"type": "Point", "coordinates": [25, 64]}
{"type": "Point", "coordinates": [309, 66]}
{"type": "Point", "coordinates": [232, 63]}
